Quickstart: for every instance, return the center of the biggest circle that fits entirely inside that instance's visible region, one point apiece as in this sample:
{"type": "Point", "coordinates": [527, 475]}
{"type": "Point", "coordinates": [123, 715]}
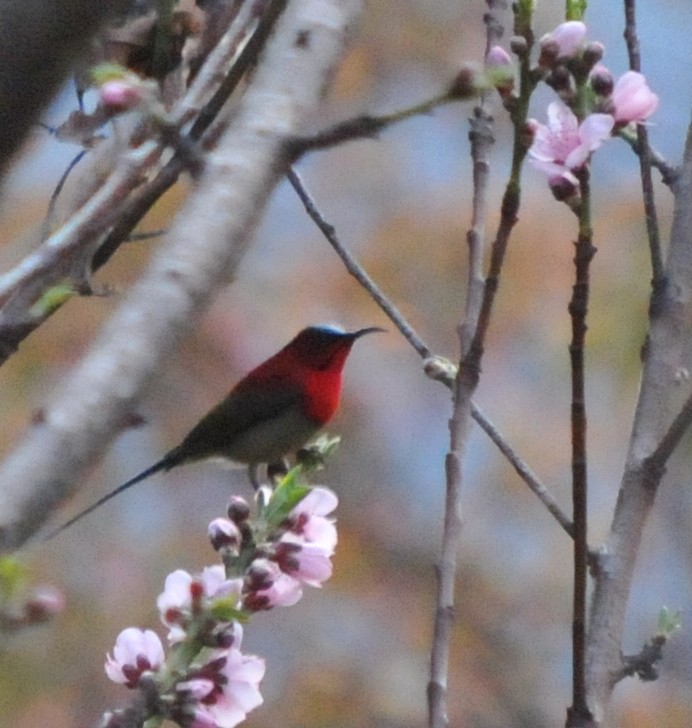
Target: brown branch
{"type": "Point", "coordinates": [579, 714]}
{"type": "Point", "coordinates": [644, 154]}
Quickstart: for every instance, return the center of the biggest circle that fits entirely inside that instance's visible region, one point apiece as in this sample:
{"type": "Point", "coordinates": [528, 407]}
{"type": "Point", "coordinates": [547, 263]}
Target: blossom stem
{"type": "Point", "coordinates": [579, 712]}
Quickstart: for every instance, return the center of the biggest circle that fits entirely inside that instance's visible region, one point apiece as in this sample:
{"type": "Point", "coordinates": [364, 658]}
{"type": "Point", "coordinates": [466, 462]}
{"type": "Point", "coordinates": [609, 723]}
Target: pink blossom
{"type": "Point", "coordinates": [182, 592]}
{"type": "Point", "coordinates": [568, 36]}
{"type": "Point", "coordinates": [285, 591]}
{"type": "Point", "coordinates": [309, 563]}
{"type": "Point", "coordinates": [197, 688]}
{"type": "Point", "coordinates": [266, 586]}
{"type": "Point", "coordinates": [563, 144]}
{"type": "Point", "coordinates": [202, 718]}
{"type": "Point", "coordinates": [633, 99]}
{"type": "Point", "coordinates": [217, 585]}
{"type": "Point", "coordinates": [237, 692]}
{"type": "Point", "coordinates": [135, 652]}
{"type": "Point", "coordinates": [309, 519]}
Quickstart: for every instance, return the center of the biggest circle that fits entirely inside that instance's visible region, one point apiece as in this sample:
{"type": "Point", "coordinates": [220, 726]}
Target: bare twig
{"type": "Point", "coordinates": [354, 268]}
{"type": "Point", "coordinates": [366, 126]}
{"type": "Point", "coordinates": [644, 154]}
{"type": "Point", "coordinates": [50, 212]}
{"type": "Point", "coordinates": [524, 471]}
{"type": "Point", "coordinates": [481, 138]}
{"type": "Point", "coordinates": [671, 439]}
{"type": "Point", "coordinates": [81, 230]}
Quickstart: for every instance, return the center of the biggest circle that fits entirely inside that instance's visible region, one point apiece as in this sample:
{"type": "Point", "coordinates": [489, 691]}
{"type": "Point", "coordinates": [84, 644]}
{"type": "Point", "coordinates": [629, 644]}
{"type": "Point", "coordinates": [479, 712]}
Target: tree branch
{"type": "Point", "coordinates": [667, 353]}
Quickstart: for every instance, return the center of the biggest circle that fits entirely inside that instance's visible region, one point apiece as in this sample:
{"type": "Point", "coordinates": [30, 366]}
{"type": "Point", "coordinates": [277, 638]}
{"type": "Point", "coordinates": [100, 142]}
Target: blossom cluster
{"type": "Point", "coordinates": [592, 106]}
{"type": "Point", "coordinates": [206, 681]}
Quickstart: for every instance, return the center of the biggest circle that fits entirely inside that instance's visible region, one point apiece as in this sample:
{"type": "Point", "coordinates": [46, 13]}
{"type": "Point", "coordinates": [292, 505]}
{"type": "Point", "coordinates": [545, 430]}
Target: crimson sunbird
{"type": "Point", "coordinates": [270, 413]}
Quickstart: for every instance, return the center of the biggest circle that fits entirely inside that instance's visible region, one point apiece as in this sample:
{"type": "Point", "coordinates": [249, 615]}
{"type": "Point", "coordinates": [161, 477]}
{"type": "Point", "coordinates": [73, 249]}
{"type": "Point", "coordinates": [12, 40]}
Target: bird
{"type": "Point", "coordinates": [273, 411]}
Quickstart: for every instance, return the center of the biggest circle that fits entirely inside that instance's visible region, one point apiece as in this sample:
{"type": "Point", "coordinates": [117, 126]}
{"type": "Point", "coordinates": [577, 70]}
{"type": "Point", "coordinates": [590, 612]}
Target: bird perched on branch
{"type": "Point", "coordinates": [272, 412]}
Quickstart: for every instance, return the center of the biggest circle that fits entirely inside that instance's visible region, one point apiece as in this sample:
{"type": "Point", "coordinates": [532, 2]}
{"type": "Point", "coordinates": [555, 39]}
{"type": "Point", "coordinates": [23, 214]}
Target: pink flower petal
{"type": "Point", "coordinates": [569, 37]}
{"type": "Point", "coordinates": [633, 99]}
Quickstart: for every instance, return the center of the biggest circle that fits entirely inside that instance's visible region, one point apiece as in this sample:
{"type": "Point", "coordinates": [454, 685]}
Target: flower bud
{"type": "Point", "coordinates": [466, 84]}
{"type": "Point", "coordinates": [593, 53]}
{"type": "Point", "coordinates": [498, 57]}
{"type": "Point", "coordinates": [500, 70]}
{"type": "Point", "coordinates": [633, 99]}
{"type": "Point", "coordinates": [120, 95]}
{"type": "Point", "coordinates": [519, 46]}
{"type": "Point", "coordinates": [559, 78]}
{"type": "Point", "coordinates": [601, 81]}
{"type": "Point", "coordinates": [569, 37]}
{"type": "Point", "coordinates": [44, 603]}
{"type": "Point", "coordinates": [259, 575]}
{"type": "Point", "coordinates": [224, 534]}
{"type": "Point", "coordinates": [238, 510]}
{"type": "Point", "coordinates": [562, 188]}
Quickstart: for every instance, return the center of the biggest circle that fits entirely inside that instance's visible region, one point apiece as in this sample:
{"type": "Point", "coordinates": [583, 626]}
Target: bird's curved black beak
{"type": "Point", "coordinates": [369, 330]}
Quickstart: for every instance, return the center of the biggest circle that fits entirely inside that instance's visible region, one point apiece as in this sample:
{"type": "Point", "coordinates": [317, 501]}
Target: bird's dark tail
{"type": "Point", "coordinates": [167, 462]}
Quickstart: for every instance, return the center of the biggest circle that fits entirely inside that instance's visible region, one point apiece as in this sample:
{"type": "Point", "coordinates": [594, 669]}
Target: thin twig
{"type": "Point", "coordinates": [354, 268]}
{"type": "Point", "coordinates": [644, 154]}
{"type": "Point", "coordinates": [671, 439]}
{"type": "Point", "coordinates": [50, 212]}
{"type": "Point", "coordinates": [365, 126]}
{"type": "Point", "coordinates": [85, 225]}
{"type": "Point", "coordinates": [524, 471]}
{"type": "Point", "coordinates": [482, 139]}
{"type": "Point", "coordinates": [512, 195]}
{"type": "Point", "coordinates": [146, 235]}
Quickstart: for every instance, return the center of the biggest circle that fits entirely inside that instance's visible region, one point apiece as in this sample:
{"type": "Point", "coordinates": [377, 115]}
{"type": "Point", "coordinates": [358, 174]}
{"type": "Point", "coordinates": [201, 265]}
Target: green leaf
{"type": "Point", "coordinates": [51, 300]}
{"type": "Point", "coordinates": [224, 610]}
{"type": "Point", "coordinates": [668, 622]}
{"type": "Point", "coordinates": [575, 9]}
{"type": "Point", "coordinates": [288, 493]}
{"type": "Point", "coordinates": [108, 72]}
{"type": "Point", "coordinates": [12, 577]}
{"type": "Point", "coordinates": [313, 456]}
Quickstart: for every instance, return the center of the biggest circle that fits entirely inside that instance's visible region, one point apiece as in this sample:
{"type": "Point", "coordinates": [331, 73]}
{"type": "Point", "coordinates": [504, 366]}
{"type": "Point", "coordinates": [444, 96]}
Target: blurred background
{"type": "Point", "coordinates": [356, 652]}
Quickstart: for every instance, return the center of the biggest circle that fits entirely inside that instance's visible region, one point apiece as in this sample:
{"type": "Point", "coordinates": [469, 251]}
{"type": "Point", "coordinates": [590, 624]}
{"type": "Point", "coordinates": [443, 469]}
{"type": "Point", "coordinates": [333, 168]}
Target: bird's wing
{"type": "Point", "coordinates": [243, 409]}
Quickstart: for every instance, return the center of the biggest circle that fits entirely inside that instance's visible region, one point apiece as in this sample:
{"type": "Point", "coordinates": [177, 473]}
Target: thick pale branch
{"type": "Point", "coordinates": [203, 250]}
{"type": "Point", "coordinates": [667, 358]}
